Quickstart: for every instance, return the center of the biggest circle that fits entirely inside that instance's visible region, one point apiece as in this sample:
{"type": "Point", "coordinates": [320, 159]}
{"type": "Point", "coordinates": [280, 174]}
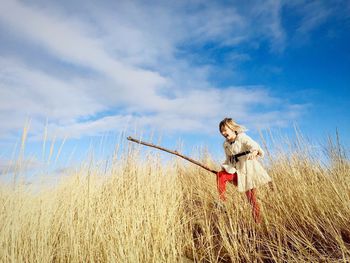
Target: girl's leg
{"type": "Point", "coordinates": [251, 195]}
{"type": "Point", "coordinates": [222, 179]}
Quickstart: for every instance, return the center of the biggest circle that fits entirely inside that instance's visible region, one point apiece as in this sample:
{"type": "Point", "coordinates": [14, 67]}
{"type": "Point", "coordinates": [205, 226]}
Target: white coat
{"type": "Point", "coordinates": [250, 173]}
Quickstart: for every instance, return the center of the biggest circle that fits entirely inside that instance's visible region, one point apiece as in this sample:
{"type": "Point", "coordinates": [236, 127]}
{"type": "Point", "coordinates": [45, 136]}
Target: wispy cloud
{"type": "Point", "coordinates": [314, 15]}
{"type": "Point", "coordinates": [8, 167]}
{"type": "Point", "coordinates": [269, 17]}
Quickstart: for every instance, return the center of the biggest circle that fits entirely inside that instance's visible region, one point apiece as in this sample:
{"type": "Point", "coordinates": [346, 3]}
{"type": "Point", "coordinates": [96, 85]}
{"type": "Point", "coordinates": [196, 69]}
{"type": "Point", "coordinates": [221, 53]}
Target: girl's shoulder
{"type": "Point", "coordinates": [242, 136]}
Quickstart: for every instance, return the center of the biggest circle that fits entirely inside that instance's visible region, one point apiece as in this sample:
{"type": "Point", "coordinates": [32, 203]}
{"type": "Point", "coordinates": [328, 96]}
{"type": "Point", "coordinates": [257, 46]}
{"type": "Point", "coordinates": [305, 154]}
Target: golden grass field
{"type": "Point", "coordinates": [142, 209]}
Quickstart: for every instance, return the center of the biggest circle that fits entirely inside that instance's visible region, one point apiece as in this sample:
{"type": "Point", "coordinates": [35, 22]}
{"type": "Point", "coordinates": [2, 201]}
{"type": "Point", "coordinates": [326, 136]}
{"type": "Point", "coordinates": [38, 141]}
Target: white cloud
{"type": "Point", "coordinates": [195, 111]}
{"type": "Point", "coordinates": [67, 41]}
{"type": "Point", "coordinates": [42, 94]}
{"type": "Point", "coordinates": [133, 50]}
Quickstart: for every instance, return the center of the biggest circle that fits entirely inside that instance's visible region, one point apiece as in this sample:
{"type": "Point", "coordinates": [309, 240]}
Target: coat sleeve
{"type": "Point", "coordinates": [227, 160]}
{"type": "Point", "coordinates": [227, 166]}
{"type": "Point", "coordinates": [251, 145]}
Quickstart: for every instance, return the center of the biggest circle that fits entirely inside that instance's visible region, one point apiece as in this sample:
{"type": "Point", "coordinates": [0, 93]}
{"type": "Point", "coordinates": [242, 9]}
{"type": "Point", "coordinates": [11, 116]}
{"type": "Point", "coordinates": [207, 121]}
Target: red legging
{"type": "Point", "coordinates": [223, 178]}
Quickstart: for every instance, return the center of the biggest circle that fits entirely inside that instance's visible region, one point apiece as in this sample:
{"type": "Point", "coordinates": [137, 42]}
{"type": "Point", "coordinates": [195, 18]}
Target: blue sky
{"type": "Point", "coordinates": [92, 69]}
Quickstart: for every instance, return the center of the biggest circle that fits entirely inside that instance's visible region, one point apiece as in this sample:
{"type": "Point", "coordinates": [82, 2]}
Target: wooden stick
{"type": "Point", "coordinates": [173, 152]}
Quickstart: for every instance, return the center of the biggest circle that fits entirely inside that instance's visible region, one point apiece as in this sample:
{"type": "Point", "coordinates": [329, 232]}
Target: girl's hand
{"type": "Point", "coordinates": [252, 155]}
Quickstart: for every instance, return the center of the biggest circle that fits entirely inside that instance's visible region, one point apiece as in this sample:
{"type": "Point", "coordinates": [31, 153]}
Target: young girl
{"type": "Point", "coordinates": [243, 171]}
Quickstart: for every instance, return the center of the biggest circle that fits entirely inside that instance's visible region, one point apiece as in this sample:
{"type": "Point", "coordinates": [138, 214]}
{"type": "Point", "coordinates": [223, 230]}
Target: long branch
{"type": "Point", "coordinates": [172, 152]}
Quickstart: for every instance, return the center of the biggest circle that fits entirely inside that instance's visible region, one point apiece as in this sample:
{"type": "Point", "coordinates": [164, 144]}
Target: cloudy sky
{"type": "Point", "coordinates": [83, 69]}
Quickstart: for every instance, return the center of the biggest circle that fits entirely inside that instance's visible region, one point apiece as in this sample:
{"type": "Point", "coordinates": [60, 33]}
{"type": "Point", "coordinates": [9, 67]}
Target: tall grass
{"type": "Point", "coordinates": [142, 210]}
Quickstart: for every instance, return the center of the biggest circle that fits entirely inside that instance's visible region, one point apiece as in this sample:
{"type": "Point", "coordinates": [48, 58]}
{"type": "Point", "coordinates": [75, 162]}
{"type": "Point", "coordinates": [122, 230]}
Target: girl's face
{"type": "Point", "coordinates": [229, 134]}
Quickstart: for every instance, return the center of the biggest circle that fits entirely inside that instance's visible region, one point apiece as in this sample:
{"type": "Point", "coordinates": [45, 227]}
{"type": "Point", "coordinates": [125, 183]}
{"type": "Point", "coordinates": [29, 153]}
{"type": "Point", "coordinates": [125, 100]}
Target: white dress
{"type": "Point", "coordinates": [250, 173]}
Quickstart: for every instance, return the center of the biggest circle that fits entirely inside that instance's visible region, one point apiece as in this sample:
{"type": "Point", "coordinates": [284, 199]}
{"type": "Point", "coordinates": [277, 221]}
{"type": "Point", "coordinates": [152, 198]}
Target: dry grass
{"type": "Point", "coordinates": [147, 211]}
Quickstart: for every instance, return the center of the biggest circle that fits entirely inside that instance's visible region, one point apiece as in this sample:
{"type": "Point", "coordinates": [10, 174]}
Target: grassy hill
{"type": "Point", "coordinates": [143, 210]}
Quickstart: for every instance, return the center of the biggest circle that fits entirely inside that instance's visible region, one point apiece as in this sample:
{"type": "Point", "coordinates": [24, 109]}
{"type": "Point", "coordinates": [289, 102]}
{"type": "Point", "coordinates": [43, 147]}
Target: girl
{"type": "Point", "coordinates": [243, 171]}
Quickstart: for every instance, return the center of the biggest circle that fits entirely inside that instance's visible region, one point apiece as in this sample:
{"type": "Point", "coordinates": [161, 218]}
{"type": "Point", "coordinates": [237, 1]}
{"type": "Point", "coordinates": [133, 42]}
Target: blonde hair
{"type": "Point", "coordinates": [232, 125]}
